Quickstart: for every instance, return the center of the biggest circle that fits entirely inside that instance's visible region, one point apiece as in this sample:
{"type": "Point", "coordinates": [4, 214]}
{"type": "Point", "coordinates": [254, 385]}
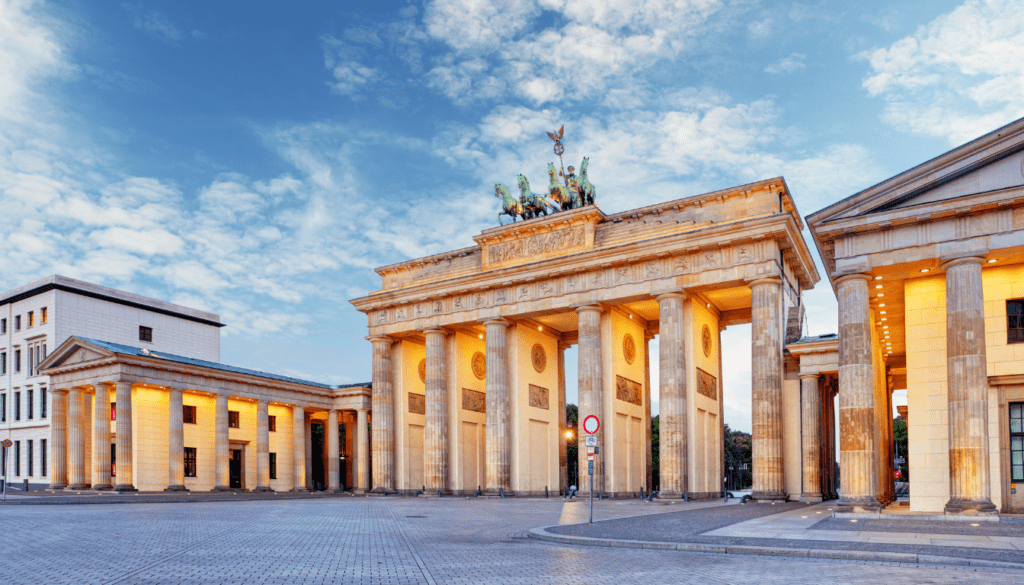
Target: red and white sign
{"type": "Point", "coordinates": [7, 443]}
{"type": "Point", "coordinates": [591, 424]}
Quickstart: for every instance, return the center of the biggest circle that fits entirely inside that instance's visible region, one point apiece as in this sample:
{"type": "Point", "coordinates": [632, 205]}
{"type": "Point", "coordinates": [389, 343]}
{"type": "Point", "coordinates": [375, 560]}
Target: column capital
{"type": "Point", "coordinates": [588, 308]}
{"type": "Point", "coordinates": [853, 276]}
{"type": "Point", "coordinates": [949, 263]}
{"type": "Point", "coordinates": [58, 390]}
{"type": "Point", "coordinates": [362, 410]}
{"type": "Point", "coordinates": [809, 376]}
{"type": "Point", "coordinates": [435, 330]}
{"type": "Point", "coordinates": [681, 294]}
{"type": "Point", "coordinates": [497, 321]}
{"type": "Point", "coordinates": [776, 280]}
{"type": "Point", "coordinates": [379, 339]}
{"type": "Point", "coordinates": [564, 344]}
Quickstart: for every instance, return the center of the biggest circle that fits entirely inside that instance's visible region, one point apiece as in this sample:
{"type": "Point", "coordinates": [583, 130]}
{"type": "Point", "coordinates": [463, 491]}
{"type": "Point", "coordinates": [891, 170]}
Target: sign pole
{"type": "Point", "coordinates": [5, 469]}
{"type": "Point", "coordinates": [591, 424]}
{"type": "Point", "coordinates": [591, 493]}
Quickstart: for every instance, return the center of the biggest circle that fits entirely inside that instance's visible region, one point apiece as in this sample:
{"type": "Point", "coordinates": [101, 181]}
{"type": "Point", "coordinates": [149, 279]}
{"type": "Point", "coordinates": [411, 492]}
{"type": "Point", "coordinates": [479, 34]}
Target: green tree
{"type": "Point", "coordinates": [655, 464]}
{"type": "Point", "coordinates": [899, 436]}
{"type": "Point", "coordinates": [738, 454]}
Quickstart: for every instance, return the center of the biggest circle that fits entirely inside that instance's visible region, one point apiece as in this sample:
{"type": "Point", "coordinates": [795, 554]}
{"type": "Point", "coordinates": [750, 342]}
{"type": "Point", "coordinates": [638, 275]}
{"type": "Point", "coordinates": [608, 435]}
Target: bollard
{"type": "Point", "coordinates": [600, 495]}
{"type": "Point", "coordinates": [478, 492]}
{"type": "Point", "coordinates": [439, 493]}
{"type": "Point", "coordinates": [501, 492]}
{"type": "Point", "coordinates": [26, 485]}
{"type": "Point", "coordinates": [641, 492]}
{"type": "Point", "coordinates": [686, 497]}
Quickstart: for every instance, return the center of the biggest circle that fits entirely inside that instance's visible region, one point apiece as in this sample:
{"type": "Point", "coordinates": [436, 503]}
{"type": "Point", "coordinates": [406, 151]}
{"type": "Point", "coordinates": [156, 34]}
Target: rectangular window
{"type": "Point", "coordinates": [272, 423]}
{"type": "Point", "coordinates": [29, 404]}
{"type": "Point", "coordinates": [188, 414]}
{"type": "Point", "coordinates": [42, 403]}
{"type": "Point", "coordinates": [273, 466]}
{"type": "Point", "coordinates": [17, 406]}
{"type": "Point", "coordinates": [1015, 321]}
{"type": "Point", "coordinates": [113, 411]}
{"type": "Point", "coordinates": [1017, 441]}
{"type": "Point", "coordinates": [3, 325]}
{"type": "Point", "coordinates": [3, 362]}
{"type": "Point", "coordinates": [17, 322]}
{"type": "Point", "coordinates": [42, 457]}
{"type": "Point", "coordinates": [29, 474]}
{"type": "Point", "coordinates": [17, 458]}
{"type": "Point", "coordinates": [3, 410]}
{"type": "Point", "coordinates": [145, 333]}
{"type": "Point", "coordinates": [190, 461]}
{"type": "Point", "coordinates": [29, 362]}
{"type": "Point", "coordinates": [42, 315]}
{"type": "Point", "coordinates": [113, 460]}
{"type": "Point", "coordinates": [31, 318]}
{"type": "Point", "coordinates": [17, 361]}
{"type": "Point", "coordinates": [233, 419]}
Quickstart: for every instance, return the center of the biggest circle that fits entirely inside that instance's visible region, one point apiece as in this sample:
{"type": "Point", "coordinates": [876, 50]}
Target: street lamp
{"type": "Point", "coordinates": [568, 435]}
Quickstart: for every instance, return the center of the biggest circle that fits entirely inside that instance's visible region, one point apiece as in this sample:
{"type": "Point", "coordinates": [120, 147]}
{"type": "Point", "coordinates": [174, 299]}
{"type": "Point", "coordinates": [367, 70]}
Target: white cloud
{"type": "Point", "coordinates": [794, 62]}
{"type": "Point", "coordinates": [957, 77]}
{"type": "Point", "coordinates": [29, 53]}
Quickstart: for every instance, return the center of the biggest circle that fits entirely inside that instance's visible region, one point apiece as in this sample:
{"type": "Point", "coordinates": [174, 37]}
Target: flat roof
{"type": "Point", "coordinates": [63, 283]}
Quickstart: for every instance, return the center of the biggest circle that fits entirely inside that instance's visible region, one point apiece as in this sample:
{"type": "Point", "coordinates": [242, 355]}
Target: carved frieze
{"type": "Point", "coordinates": [555, 242]}
{"type": "Point", "coordinates": [629, 391]}
{"type": "Point", "coordinates": [707, 385]}
{"type": "Point", "coordinates": [417, 403]}
{"type": "Point", "coordinates": [539, 397]}
{"type": "Point", "coordinates": [474, 400]}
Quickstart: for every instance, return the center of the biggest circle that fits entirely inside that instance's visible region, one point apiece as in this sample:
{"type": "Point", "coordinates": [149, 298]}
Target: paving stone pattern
{"type": "Point", "coordinates": [380, 541]}
{"type": "Point", "coordinates": [1005, 527]}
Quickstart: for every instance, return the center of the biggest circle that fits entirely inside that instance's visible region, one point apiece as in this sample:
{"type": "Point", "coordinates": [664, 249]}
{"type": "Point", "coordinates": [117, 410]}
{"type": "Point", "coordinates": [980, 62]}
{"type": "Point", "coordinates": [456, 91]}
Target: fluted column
{"type": "Point", "coordinates": [856, 396]}
{"type": "Point", "coordinates": [222, 444]}
{"type": "Point", "coordinates": [591, 392]}
{"type": "Point", "coordinates": [58, 439]}
{"type": "Point", "coordinates": [298, 449]}
{"type": "Point", "coordinates": [176, 441]}
{"type": "Point", "coordinates": [76, 441]}
{"type": "Point", "coordinates": [435, 433]}
{"type": "Point", "coordinates": [672, 396]}
{"type": "Point", "coordinates": [383, 417]}
{"type": "Point", "coordinates": [766, 388]}
{"type": "Point", "coordinates": [563, 467]}
{"type": "Point", "coordinates": [101, 439]}
{"type": "Point", "coordinates": [123, 429]}
{"type": "Point", "coordinates": [262, 447]}
{"type": "Point", "coordinates": [333, 452]}
{"type": "Point", "coordinates": [648, 460]}
{"type": "Point", "coordinates": [362, 452]}
{"type": "Point", "coordinates": [967, 380]}
{"type": "Point", "coordinates": [810, 404]}
{"type": "Point", "coordinates": [498, 413]}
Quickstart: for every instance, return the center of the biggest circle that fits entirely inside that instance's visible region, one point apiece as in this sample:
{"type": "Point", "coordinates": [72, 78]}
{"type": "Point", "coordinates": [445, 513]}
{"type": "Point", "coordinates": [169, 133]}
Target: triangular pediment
{"type": "Point", "coordinates": [74, 351]}
{"type": "Point", "coordinates": [991, 164]}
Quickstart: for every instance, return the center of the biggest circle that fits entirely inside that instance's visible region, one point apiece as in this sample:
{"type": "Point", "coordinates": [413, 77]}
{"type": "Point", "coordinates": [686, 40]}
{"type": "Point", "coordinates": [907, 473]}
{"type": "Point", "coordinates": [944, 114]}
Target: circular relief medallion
{"type": "Point", "coordinates": [479, 365]}
{"type": "Point", "coordinates": [705, 340]}
{"type": "Point", "coordinates": [423, 371]}
{"type": "Point", "coordinates": [540, 359]}
{"type": "Point", "coordinates": [629, 348]}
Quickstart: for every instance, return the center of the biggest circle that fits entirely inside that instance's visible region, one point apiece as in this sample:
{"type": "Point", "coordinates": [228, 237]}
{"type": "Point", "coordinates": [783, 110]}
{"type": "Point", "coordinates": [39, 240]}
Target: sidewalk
{"type": "Point", "coordinates": [36, 498]}
{"type": "Point", "coordinates": [805, 530]}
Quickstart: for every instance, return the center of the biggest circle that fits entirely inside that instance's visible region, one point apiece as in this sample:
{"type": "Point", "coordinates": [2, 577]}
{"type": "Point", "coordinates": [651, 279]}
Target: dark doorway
{"type": "Point", "coordinates": [236, 469]}
{"type": "Point", "coordinates": [317, 456]}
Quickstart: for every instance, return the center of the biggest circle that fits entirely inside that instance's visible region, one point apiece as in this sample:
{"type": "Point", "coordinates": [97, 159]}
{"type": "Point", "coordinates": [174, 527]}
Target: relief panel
{"type": "Point", "coordinates": [629, 391]}
{"type": "Point", "coordinates": [474, 400]}
{"type": "Point", "coordinates": [539, 397]}
{"type": "Point", "coordinates": [707, 385]}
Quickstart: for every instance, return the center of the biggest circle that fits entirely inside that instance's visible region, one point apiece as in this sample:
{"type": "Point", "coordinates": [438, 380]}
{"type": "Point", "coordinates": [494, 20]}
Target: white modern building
{"type": "Point", "coordinates": [36, 318]}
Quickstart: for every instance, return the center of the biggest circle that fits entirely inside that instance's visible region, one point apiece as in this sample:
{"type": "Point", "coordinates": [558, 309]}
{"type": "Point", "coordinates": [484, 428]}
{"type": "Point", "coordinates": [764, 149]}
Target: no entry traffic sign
{"type": "Point", "coordinates": [7, 443]}
{"type": "Point", "coordinates": [591, 424]}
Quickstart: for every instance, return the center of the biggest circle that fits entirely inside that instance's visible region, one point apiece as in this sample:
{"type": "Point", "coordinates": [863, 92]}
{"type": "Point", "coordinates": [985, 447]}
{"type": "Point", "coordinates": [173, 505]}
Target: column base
{"type": "Point", "coordinates": [223, 488]}
{"type": "Point", "coordinates": [176, 488]}
{"type": "Point", "coordinates": [126, 487]}
{"type": "Point", "coordinates": [56, 486]}
{"type": "Point", "coordinates": [299, 490]}
{"type": "Point", "coordinates": [866, 504]}
{"type": "Point", "coordinates": [78, 486]}
{"type": "Point", "coordinates": [262, 488]}
{"type": "Point", "coordinates": [360, 491]}
{"type": "Point", "coordinates": [102, 487]}
{"type": "Point", "coordinates": [769, 496]}
{"type": "Point", "coordinates": [495, 492]}
{"type": "Point", "coordinates": [813, 498]}
{"type": "Point", "coordinates": [970, 508]}
{"type": "Point", "coordinates": [383, 490]}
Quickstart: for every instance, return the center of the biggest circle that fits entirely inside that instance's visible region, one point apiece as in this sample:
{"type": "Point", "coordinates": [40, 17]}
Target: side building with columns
{"type": "Point", "coordinates": [468, 349]}
{"type": "Point", "coordinates": [38, 317]}
{"type": "Point", "coordinates": [928, 268]}
{"type": "Point", "coordinates": [180, 423]}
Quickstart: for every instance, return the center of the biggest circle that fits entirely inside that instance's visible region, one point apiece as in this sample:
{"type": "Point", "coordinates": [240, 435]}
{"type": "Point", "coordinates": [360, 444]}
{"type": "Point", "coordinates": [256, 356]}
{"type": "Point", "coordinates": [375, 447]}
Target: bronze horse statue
{"type": "Point", "coordinates": [509, 206]}
{"type": "Point", "coordinates": [534, 205]}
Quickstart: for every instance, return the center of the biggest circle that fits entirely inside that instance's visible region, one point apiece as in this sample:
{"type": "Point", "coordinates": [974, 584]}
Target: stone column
{"type": "Point", "coordinates": [672, 396]}
{"type": "Point", "coordinates": [967, 381]}
{"type": "Point", "coordinates": [591, 392]}
{"type": "Point", "coordinates": [362, 453]}
{"type": "Point", "coordinates": [766, 389]}
{"type": "Point", "coordinates": [332, 452]}
{"type": "Point", "coordinates": [435, 433]}
{"type": "Point", "coordinates": [222, 445]}
{"type": "Point", "coordinates": [383, 417]}
{"type": "Point", "coordinates": [176, 441]}
{"type": "Point", "coordinates": [648, 459]}
{"type": "Point", "coordinates": [76, 441]}
{"type": "Point", "coordinates": [563, 426]}
{"type": "Point", "coordinates": [298, 449]}
{"type": "Point", "coordinates": [59, 439]}
{"type": "Point", "coordinates": [810, 407]}
{"type": "Point", "coordinates": [262, 447]}
{"type": "Point", "coordinates": [856, 396]}
{"type": "Point", "coordinates": [498, 413]}
{"type": "Point", "coordinates": [123, 430]}
{"type": "Point", "coordinates": [101, 439]}
{"type": "Point", "coordinates": [308, 432]}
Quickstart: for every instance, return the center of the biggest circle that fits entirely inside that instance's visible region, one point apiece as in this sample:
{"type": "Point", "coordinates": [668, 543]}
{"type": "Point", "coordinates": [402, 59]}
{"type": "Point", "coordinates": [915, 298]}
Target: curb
{"type": "Point", "coordinates": [843, 555]}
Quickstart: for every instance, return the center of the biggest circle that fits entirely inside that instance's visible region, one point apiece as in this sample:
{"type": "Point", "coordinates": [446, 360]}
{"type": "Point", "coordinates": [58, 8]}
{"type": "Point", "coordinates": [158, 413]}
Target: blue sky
{"type": "Point", "coordinates": [259, 159]}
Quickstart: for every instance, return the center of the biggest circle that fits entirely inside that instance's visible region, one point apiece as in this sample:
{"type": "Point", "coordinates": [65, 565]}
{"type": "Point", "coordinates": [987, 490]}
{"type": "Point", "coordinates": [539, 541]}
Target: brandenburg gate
{"type": "Point", "coordinates": [468, 347]}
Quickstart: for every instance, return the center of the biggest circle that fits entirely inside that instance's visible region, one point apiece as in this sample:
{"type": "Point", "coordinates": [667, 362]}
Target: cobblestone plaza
{"type": "Point", "coordinates": [382, 540]}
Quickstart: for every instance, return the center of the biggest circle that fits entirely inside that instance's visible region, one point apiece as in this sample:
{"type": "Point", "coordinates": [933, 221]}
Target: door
{"type": "Point", "coordinates": [236, 469]}
{"type": "Point", "coordinates": [470, 481]}
{"type": "Point", "coordinates": [416, 477]}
